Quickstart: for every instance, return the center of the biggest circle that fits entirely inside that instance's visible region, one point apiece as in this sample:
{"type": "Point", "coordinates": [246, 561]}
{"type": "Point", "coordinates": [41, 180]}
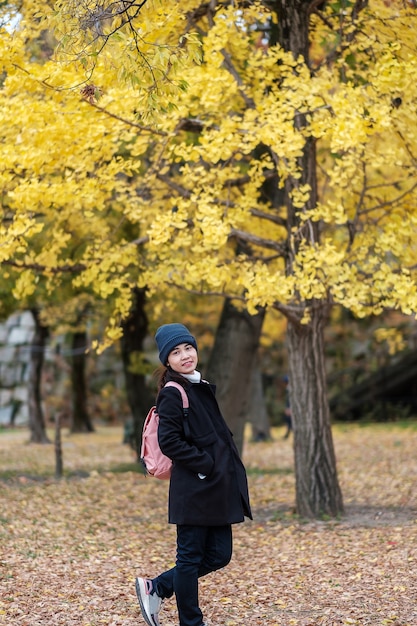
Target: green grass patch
{"type": "Point", "coordinates": [122, 468]}
{"type": "Point", "coordinates": [269, 471]}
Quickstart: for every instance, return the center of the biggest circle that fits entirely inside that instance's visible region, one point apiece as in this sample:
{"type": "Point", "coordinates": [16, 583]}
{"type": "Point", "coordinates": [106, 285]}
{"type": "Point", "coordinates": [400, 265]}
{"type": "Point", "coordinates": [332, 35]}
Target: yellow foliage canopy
{"type": "Point", "coordinates": [194, 142]}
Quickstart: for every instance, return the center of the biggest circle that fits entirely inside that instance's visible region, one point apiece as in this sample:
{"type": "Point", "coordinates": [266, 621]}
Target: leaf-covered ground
{"type": "Point", "coordinates": [70, 549]}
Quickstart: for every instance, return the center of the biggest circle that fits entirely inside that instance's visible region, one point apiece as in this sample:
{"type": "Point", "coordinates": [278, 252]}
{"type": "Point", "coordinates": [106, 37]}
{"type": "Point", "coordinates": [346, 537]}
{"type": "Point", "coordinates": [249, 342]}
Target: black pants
{"type": "Point", "coordinates": [200, 550]}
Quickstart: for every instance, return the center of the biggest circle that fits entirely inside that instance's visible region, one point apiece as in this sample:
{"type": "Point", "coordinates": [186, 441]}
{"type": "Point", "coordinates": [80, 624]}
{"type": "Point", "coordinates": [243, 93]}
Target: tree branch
{"type": "Point", "coordinates": [275, 219]}
{"type": "Point", "coordinates": [257, 241]}
{"type": "Point", "coordinates": [186, 193]}
{"type": "Point", "coordinates": [37, 267]}
{"type": "Point", "coordinates": [291, 312]}
{"type": "Point", "coordinates": [146, 129]}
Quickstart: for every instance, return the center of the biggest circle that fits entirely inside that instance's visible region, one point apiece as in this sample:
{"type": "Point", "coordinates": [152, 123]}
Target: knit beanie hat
{"type": "Point", "coordinates": [170, 335]}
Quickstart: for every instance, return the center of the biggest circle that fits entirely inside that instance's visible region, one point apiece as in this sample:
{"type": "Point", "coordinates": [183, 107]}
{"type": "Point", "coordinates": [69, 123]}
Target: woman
{"type": "Point", "coordinates": [208, 488]}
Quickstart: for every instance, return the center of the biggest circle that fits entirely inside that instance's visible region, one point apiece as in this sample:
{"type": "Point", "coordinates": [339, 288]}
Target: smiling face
{"type": "Point", "coordinates": [183, 358]}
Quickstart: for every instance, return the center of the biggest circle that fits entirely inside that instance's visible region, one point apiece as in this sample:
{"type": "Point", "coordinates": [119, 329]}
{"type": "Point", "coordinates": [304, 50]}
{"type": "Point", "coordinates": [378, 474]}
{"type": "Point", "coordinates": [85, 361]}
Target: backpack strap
{"type": "Point", "coordinates": [185, 406]}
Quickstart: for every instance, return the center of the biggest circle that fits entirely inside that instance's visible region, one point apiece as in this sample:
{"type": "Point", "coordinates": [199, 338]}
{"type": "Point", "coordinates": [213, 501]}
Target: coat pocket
{"type": "Point", "coordinates": [204, 441]}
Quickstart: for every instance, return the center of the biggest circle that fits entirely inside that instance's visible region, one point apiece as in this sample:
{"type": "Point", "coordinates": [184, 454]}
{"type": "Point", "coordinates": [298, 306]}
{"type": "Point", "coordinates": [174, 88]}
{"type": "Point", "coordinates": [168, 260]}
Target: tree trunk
{"type": "Point", "coordinates": [139, 397]}
{"type": "Point", "coordinates": [293, 26]}
{"type": "Point", "coordinates": [36, 416]}
{"type": "Point", "coordinates": [256, 411]}
{"type": "Point", "coordinates": [317, 487]}
{"type": "Point", "coordinates": [231, 361]}
{"type": "Point", "coordinates": [80, 419]}
{"type": "Point", "coordinates": [59, 460]}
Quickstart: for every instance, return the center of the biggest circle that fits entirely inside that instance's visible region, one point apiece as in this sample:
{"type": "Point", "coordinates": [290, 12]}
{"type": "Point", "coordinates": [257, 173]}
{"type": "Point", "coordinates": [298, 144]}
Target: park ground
{"type": "Point", "coordinates": [71, 548]}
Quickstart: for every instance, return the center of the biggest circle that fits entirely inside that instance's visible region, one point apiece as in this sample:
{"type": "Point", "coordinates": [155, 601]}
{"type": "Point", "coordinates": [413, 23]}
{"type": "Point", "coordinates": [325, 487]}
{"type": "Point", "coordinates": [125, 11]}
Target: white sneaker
{"type": "Point", "coordinates": [149, 601]}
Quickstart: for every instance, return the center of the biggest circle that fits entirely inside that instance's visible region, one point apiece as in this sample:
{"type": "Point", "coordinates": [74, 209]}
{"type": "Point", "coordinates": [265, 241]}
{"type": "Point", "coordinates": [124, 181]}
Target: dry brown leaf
{"type": "Point", "coordinates": [70, 550]}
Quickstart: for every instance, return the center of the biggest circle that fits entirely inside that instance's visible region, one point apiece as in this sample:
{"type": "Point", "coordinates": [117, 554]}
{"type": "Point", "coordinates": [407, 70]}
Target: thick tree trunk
{"type": "Point", "coordinates": [317, 488]}
{"type": "Point", "coordinates": [230, 364]}
{"type": "Point", "coordinates": [37, 351]}
{"type": "Point", "coordinates": [293, 25]}
{"type": "Point", "coordinates": [80, 419]}
{"type": "Point", "coordinates": [139, 397]}
{"type": "Point", "coordinates": [255, 410]}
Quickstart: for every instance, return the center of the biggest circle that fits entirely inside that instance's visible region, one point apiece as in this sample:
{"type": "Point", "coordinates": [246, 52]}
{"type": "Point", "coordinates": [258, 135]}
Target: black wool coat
{"type": "Point", "coordinates": [221, 497]}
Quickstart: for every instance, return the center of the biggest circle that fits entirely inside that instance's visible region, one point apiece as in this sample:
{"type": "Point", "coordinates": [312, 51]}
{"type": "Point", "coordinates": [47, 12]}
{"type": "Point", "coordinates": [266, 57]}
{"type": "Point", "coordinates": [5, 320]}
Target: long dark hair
{"type": "Point", "coordinates": [164, 374]}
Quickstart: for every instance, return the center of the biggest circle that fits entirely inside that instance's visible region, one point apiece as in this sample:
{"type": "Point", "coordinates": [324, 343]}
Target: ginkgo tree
{"type": "Point", "coordinates": [64, 177]}
{"type": "Point", "coordinates": [279, 171]}
{"type": "Point", "coordinates": [293, 184]}
{"type": "Point", "coordinates": [329, 129]}
{"type": "Point", "coordinates": [67, 181]}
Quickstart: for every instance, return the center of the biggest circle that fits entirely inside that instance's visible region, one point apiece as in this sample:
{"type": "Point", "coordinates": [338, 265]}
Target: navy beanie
{"type": "Point", "coordinates": [170, 335]}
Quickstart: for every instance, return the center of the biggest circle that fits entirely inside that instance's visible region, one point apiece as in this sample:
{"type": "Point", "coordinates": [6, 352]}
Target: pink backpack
{"type": "Point", "coordinates": [156, 464]}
